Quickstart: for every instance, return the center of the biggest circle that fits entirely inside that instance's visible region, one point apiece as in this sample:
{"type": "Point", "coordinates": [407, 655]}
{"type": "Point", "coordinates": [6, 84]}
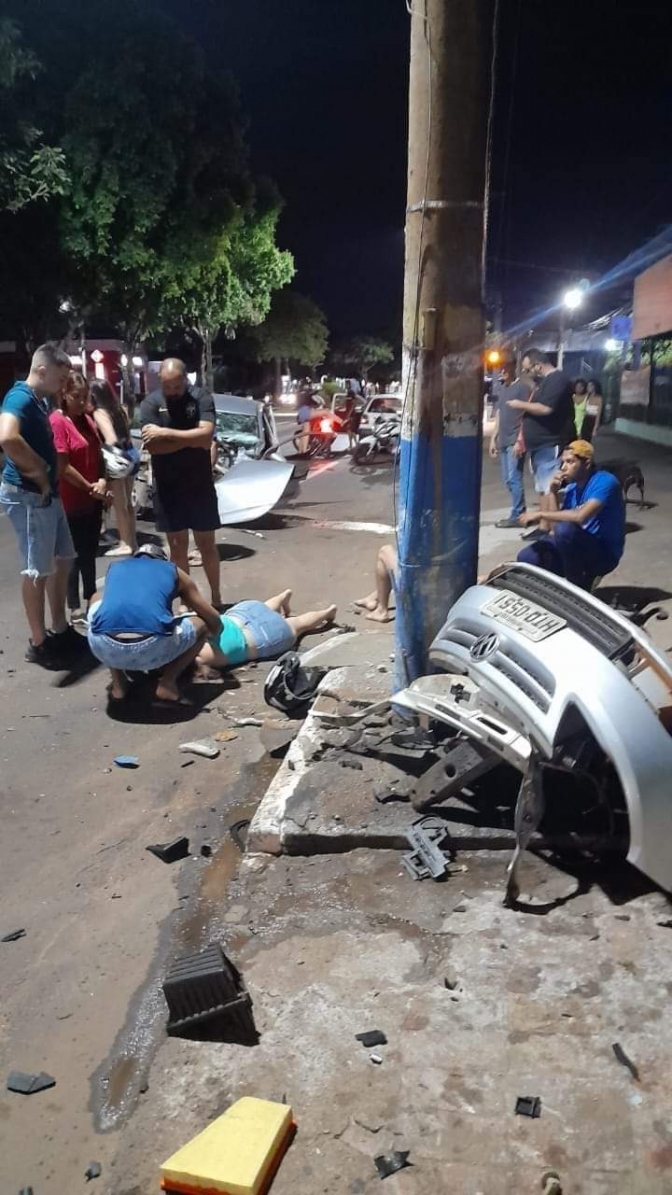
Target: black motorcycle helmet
{"type": "Point", "coordinates": [289, 686]}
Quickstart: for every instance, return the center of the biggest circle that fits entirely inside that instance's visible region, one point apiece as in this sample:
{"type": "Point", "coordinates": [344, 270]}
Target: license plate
{"type": "Point", "coordinates": [527, 618]}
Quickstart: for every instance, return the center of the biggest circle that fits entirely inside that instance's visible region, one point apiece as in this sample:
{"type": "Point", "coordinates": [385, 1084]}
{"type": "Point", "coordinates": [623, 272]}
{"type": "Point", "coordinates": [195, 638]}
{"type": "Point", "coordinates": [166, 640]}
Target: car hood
{"type": "Point", "coordinates": [250, 489]}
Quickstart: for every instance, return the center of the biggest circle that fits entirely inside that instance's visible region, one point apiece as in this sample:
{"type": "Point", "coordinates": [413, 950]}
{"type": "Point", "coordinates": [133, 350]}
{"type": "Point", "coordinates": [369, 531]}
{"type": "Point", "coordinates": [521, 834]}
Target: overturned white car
{"type": "Point", "coordinates": [541, 674]}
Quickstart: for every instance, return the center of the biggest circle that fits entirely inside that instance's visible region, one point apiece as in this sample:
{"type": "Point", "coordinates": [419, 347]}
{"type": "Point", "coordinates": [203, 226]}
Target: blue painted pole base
{"type": "Point", "coordinates": [439, 503]}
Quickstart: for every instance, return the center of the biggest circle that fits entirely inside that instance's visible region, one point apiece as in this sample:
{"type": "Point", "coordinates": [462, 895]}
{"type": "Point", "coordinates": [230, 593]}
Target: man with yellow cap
{"type": "Point", "coordinates": [588, 531]}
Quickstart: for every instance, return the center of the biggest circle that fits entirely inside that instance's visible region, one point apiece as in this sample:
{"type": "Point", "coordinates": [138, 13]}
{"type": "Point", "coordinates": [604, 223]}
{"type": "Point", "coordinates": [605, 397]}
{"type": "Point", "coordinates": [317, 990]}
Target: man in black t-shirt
{"type": "Point", "coordinates": [178, 423]}
{"type": "Point", "coordinates": [504, 439]}
{"type": "Point", "coordinates": [547, 420]}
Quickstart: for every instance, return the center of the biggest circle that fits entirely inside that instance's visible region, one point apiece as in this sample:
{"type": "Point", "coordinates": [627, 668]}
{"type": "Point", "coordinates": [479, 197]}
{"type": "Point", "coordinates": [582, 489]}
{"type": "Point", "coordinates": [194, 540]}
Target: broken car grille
{"type": "Point", "coordinates": [595, 627]}
{"type": "Point", "coordinates": [531, 678]}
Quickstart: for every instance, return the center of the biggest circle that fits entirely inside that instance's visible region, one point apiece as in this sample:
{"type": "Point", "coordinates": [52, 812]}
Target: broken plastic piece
{"type": "Point", "coordinates": [26, 1191]}
{"type": "Point", "coordinates": [14, 936]}
{"type": "Point", "coordinates": [207, 750]}
{"type": "Point", "coordinates": [373, 1037]}
{"type": "Point", "coordinates": [206, 850]}
{"type": "Point", "coordinates": [528, 1105]}
{"type": "Point", "coordinates": [387, 1164]}
{"type": "Point", "coordinates": [427, 858]}
{"type": "Point", "coordinates": [622, 1057]}
{"type": "Point", "coordinates": [93, 1170]}
{"type": "Point", "coordinates": [26, 1084]}
{"type": "Point", "coordinates": [127, 761]}
{"type": "Point", "coordinates": [207, 987]}
{"type": "Point", "coordinates": [376, 1059]}
{"type": "Point", "coordinates": [170, 852]}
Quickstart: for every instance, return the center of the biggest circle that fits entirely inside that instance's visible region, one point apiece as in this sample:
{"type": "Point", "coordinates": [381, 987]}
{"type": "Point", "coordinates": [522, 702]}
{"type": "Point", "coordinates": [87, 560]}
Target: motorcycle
{"type": "Point", "coordinates": [381, 439]}
{"type": "Point", "coordinates": [324, 429]}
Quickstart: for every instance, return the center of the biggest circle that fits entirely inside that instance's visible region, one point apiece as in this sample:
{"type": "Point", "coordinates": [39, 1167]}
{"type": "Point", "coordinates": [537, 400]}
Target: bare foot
{"type": "Point", "coordinates": [166, 692]}
{"type": "Point", "coordinates": [380, 614]}
{"type": "Point", "coordinates": [330, 613]}
{"type": "Point", "coordinates": [117, 692]}
{"type": "Point", "coordinates": [285, 602]}
{"type": "Point", "coordinates": [369, 602]}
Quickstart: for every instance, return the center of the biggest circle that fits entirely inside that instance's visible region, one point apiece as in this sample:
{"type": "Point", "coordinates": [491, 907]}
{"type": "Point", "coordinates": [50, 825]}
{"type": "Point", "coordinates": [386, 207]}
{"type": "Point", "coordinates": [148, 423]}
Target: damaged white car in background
{"type": "Point", "coordinates": [251, 475]}
{"type": "Point", "coordinates": [542, 675]}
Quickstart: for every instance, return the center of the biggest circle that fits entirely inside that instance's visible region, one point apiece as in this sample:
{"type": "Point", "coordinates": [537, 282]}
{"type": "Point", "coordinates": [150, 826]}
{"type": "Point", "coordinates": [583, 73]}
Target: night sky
{"type": "Point", "coordinates": [582, 171]}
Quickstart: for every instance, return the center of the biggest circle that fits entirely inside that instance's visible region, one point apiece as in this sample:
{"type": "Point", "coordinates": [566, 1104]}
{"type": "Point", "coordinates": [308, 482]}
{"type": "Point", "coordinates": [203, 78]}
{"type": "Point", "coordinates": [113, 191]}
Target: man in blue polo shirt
{"type": "Point", "coordinates": [588, 533]}
{"type": "Point", "coordinates": [29, 497]}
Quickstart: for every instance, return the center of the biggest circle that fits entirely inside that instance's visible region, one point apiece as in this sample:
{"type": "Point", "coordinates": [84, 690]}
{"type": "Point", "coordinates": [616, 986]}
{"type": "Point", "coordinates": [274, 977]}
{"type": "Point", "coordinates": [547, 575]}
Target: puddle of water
{"type": "Point", "coordinates": [116, 1084]}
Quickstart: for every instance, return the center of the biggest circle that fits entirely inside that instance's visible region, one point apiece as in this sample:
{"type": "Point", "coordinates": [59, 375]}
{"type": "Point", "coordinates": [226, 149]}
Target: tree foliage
{"type": "Point", "coordinates": [295, 329]}
{"type": "Point", "coordinates": [30, 170]}
{"type": "Point", "coordinates": [364, 352]}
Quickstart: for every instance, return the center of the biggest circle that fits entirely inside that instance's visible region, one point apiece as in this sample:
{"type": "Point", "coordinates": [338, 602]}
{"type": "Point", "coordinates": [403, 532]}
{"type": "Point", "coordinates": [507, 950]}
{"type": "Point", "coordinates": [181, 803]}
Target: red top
{"type": "Point", "coordinates": [80, 441]}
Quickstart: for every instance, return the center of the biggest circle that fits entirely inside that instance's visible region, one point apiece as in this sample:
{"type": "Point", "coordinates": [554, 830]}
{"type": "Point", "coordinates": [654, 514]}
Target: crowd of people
{"type": "Point", "coordinates": [69, 457]}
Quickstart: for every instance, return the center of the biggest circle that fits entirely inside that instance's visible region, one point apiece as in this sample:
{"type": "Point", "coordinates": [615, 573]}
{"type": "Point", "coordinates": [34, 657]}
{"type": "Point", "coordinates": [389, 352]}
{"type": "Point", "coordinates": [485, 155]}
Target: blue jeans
{"type": "Point", "coordinates": [571, 553]}
{"type": "Point", "coordinates": [42, 531]}
{"type": "Point", "coordinates": [512, 467]}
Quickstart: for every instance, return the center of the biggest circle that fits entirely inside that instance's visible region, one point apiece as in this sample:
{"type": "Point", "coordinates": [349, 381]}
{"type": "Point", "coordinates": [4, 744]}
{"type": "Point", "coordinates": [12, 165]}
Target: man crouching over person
{"type": "Point", "coordinates": [132, 627]}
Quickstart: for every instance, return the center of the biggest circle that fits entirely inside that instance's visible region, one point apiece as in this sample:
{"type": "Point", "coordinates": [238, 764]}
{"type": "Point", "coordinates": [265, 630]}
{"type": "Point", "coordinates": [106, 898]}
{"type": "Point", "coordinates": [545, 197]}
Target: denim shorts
{"type": "Point", "coordinates": [42, 531]}
{"type": "Point", "coordinates": [268, 630]}
{"type": "Point", "coordinates": [544, 463]}
{"type": "Point", "coordinates": [143, 655]}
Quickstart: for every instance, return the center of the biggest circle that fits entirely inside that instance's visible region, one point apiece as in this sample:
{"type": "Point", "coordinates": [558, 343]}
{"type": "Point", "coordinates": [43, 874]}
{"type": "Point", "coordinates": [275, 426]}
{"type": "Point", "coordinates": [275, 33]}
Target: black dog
{"type": "Point", "coordinates": [629, 476]}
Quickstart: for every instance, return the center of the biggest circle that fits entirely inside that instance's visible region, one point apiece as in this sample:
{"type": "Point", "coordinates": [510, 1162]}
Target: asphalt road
{"type": "Point", "coordinates": [102, 915]}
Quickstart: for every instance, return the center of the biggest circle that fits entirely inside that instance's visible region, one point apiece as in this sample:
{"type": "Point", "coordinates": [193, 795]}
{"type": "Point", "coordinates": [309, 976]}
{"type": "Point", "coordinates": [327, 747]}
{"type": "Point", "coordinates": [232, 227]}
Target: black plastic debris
{"type": "Point", "coordinates": [14, 936]}
{"type": "Point", "coordinates": [374, 1037]}
{"type": "Point", "coordinates": [206, 850]}
{"type": "Point", "coordinates": [528, 1105]}
{"type": "Point", "coordinates": [387, 1164]}
{"type": "Point", "coordinates": [622, 1057]}
{"type": "Point", "coordinates": [26, 1191]}
{"type": "Point", "coordinates": [170, 852]}
{"type": "Point", "coordinates": [93, 1170]}
{"type": "Point", "coordinates": [238, 832]}
{"type": "Point", "coordinates": [26, 1084]}
{"type": "Point", "coordinates": [207, 999]}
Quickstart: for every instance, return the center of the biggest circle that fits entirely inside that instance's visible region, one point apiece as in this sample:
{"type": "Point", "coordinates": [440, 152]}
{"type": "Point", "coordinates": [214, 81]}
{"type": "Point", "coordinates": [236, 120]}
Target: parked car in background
{"type": "Point", "coordinates": [251, 475]}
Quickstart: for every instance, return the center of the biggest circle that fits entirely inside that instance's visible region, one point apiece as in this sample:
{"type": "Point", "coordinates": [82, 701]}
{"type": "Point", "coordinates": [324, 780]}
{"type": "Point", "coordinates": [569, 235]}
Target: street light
{"type": "Point", "coordinates": [571, 300]}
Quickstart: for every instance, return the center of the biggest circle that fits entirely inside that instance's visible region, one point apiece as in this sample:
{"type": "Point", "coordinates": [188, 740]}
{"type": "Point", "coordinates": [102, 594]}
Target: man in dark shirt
{"type": "Point", "coordinates": [547, 421]}
{"type": "Point", "coordinates": [178, 423]}
{"type": "Point", "coordinates": [504, 439]}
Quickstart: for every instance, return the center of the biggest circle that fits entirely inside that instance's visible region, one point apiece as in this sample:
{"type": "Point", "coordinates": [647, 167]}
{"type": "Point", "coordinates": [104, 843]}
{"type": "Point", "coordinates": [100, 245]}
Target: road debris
{"type": "Point", "coordinates": [237, 832]}
{"type": "Point", "coordinates": [170, 852]}
{"type": "Point", "coordinates": [93, 1170]}
{"type": "Point", "coordinates": [387, 1164]}
{"type": "Point", "coordinates": [450, 980]}
{"type": "Point", "coordinates": [26, 1191]}
{"type": "Point", "coordinates": [239, 1151]}
{"type": "Point", "coordinates": [206, 850]}
{"type": "Point", "coordinates": [14, 935]}
{"type": "Point", "coordinates": [246, 722]}
{"type": "Point", "coordinates": [622, 1057]}
{"type": "Point", "coordinates": [376, 1059]}
{"type": "Point", "coordinates": [373, 1037]}
{"type": "Point", "coordinates": [355, 764]}
{"type": "Point", "coordinates": [428, 856]}
{"type": "Point", "coordinates": [26, 1084]}
{"type": "Point", "coordinates": [550, 1183]}
{"type": "Point", "coordinates": [207, 999]}
{"type": "Point", "coordinates": [224, 736]}
{"type": "Point", "coordinates": [206, 749]}
{"type": "Point", "coordinates": [528, 1105]}
{"type": "Point", "coordinates": [127, 761]}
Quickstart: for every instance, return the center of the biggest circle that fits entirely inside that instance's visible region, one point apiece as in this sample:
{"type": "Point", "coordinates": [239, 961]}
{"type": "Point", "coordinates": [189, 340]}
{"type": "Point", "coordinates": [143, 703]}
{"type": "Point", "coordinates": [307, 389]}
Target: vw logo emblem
{"type": "Point", "coordinates": [484, 647]}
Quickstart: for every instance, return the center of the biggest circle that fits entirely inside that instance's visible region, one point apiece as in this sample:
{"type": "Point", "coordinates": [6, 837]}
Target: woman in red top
{"type": "Point", "coordinates": [82, 483]}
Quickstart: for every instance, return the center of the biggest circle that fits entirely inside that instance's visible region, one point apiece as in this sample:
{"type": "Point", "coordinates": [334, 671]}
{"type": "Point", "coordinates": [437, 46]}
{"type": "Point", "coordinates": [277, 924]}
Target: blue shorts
{"type": "Point", "coordinates": [143, 655]}
{"type": "Point", "coordinates": [544, 463]}
{"type": "Point", "coordinates": [42, 531]}
{"type": "Point", "coordinates": [268, 630]}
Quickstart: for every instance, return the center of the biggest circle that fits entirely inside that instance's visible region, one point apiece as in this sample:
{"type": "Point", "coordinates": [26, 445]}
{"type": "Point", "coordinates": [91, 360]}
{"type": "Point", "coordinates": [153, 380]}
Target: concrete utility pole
{"type": "Point", "coordinates": [440, 457]}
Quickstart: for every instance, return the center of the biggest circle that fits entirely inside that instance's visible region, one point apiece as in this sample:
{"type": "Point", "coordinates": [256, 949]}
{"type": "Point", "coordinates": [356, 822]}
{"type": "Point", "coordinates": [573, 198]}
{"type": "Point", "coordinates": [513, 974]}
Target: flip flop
{"type": "Point", "coordinates": [162, 703]}
{"type": "Point", "coordinates": [119, 552]}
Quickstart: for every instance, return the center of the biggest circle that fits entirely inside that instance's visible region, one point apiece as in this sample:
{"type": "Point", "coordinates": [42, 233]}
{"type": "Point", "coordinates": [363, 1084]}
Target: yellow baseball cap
{"type": "Point", "coordinates": [583, 449]}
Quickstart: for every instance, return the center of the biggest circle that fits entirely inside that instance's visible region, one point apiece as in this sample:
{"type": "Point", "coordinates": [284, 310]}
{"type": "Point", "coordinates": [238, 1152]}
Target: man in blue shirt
{"type": "Point", "coordinates": [588, 533]}
{"type": "Point", "coordinates": [29, 497]}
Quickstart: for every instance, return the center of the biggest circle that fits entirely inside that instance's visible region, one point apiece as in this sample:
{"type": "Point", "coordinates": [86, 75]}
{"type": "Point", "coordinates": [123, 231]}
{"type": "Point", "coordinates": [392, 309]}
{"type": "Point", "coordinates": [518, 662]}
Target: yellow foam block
{"type": "Point", "coordinates": [236, 1154]}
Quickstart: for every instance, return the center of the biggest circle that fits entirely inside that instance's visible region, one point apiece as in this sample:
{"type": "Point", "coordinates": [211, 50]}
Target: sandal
{"type": "Point", "coordinates": [120, 550]}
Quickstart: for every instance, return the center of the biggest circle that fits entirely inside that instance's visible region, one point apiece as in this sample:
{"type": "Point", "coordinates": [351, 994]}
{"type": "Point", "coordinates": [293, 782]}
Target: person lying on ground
{"type": "Point", "coordinates": [588, 531]}
{"type": "Point", "coordinates": [260, 631]}
{"type": "Point", "coordinates": [132, 627]}
{"type": "Point", "coordinates": [378, 601]}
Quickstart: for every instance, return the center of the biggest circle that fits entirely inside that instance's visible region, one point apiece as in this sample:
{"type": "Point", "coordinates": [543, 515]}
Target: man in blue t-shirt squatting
{"type": "Point", "coordinates": [588, 532]}
{"type": "Point", "coordinates": [29, 497]}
